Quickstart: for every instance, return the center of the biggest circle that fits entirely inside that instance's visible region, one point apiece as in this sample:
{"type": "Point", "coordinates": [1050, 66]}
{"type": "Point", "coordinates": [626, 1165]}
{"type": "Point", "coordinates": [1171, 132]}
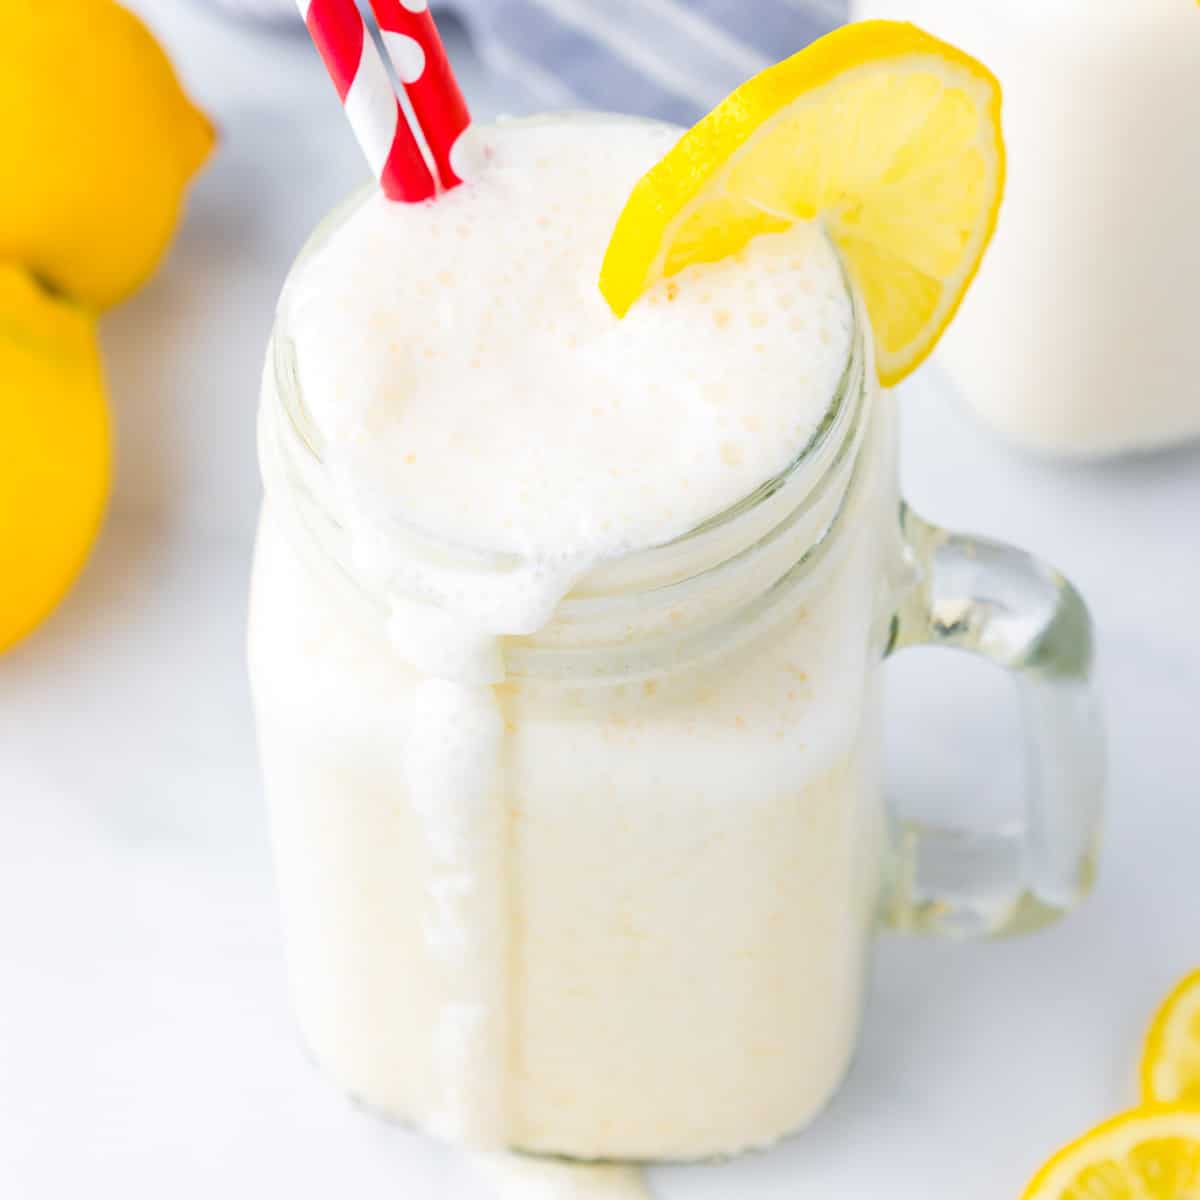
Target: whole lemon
{"type": "Point", "coordinates": [54, 449]}
{"type": "Point", "coordinates": [97, 142]}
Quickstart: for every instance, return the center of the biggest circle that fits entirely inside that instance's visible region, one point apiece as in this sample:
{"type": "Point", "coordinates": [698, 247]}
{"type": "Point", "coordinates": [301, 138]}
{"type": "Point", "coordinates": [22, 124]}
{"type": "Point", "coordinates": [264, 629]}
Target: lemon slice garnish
{"type": "Point", "coordinates": [1171, 1060]}
{"type": "Point", "coordinates": [888, 136]}
{"type": "Point", "coordinates": [1149, 1154]}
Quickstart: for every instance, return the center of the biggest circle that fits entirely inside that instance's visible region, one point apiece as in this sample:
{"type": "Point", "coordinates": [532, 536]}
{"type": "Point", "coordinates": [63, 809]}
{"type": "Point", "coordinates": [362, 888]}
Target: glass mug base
{"type": "Point", "coordinates": [536, 1152]}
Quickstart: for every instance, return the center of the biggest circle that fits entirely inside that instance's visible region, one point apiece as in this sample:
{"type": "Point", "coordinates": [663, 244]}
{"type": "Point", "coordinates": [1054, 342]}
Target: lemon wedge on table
{"type": "Point", "coordinates": [1147, 1154]}
{"type": "Point", "coordinates": [888, 136]}
{"type": "Point", "coordinates": [1171, 1060]}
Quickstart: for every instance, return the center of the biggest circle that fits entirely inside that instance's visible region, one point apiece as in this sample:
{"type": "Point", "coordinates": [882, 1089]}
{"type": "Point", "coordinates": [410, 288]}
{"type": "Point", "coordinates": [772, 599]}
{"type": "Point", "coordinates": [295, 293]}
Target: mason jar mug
{"type": "Point", "coordinates": [646, 936]}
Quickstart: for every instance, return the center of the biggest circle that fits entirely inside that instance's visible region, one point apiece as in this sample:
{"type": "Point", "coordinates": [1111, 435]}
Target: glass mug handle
{"type": "Point", "coordinates": [1002, 605]}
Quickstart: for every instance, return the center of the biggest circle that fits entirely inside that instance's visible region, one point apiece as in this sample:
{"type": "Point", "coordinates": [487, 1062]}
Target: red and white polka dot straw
{"type": "Point", "coordinates": [366, 93]}
{"type": "Point", "coordinates": [419, 58]}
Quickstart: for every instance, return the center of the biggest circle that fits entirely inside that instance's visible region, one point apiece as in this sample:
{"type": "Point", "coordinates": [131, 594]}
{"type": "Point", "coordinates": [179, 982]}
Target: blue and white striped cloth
{"type": "Point", "coordinates": [672, 59]}
{"type": "Point", "coordinates": [664, 58]}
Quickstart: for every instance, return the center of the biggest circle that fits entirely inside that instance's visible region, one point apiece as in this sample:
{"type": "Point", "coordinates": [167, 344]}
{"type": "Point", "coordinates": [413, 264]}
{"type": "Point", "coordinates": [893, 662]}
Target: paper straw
{"type": "Point", "coordinates": [366, 93]}
{"type": "Point", "coordinates": [420, 62]}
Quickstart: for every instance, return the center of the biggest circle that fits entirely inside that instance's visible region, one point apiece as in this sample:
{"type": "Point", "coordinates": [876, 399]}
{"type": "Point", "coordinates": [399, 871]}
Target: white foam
{"type": "Point", "coordinates": [451, 762]}
{"type": "Point", "coordinates": [470, 380]}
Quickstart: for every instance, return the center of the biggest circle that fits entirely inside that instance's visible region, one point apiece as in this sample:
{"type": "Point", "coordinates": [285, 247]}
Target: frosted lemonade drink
{"type": "Point", "coordinates": [579, 558]}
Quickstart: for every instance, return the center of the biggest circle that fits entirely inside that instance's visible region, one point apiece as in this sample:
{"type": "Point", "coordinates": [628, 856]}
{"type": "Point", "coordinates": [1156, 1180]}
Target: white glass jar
{"type": "Point", "coordinates": [648, 939]}
{"type": "Point", "coordinates": [1078, 336]}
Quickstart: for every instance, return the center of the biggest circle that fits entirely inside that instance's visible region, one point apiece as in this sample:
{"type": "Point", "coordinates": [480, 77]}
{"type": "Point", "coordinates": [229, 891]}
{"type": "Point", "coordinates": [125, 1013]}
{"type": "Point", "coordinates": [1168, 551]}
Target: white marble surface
{"type": "Point", "coordinates": [145, 1043]}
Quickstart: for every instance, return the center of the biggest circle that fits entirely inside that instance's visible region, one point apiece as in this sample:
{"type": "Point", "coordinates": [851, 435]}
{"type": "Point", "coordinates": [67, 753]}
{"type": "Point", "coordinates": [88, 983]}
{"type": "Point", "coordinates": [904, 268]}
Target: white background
{"type": "Point", "coordinates": [146, 1048]}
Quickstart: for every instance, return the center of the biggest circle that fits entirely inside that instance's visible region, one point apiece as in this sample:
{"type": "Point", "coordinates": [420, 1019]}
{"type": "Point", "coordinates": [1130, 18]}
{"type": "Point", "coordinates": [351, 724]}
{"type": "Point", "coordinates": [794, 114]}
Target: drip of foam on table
{"type": "Point", "coordinates": [472, 389]}
{"type": "Point", "coordinates": [512, 1177]}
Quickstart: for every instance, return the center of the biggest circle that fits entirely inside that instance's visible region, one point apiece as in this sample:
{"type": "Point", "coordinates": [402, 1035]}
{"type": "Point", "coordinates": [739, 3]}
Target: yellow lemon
{"type": "Point", "coordinates": [97, 142]}
{"type": "Point", "coordinates": [54, 449]}
{"type": "Point", "coordinates": [888, 136]}
{"type": "Point", "coordinates": [1149, 1154]}
{"type": "Point", "coordinates": [1171, 1059]}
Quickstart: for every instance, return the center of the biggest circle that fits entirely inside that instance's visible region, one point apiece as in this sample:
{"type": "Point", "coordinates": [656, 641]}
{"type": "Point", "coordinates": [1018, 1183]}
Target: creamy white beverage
{"type": "Point", "coordinates": [577, 819]}
{"type": "Point", "coordinates": [1078, 336]}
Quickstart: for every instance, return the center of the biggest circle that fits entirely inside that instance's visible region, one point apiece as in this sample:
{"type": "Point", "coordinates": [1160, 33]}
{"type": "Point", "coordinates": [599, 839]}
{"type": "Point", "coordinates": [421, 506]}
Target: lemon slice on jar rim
{"type": "Point", "coordinates": [888, 136]}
